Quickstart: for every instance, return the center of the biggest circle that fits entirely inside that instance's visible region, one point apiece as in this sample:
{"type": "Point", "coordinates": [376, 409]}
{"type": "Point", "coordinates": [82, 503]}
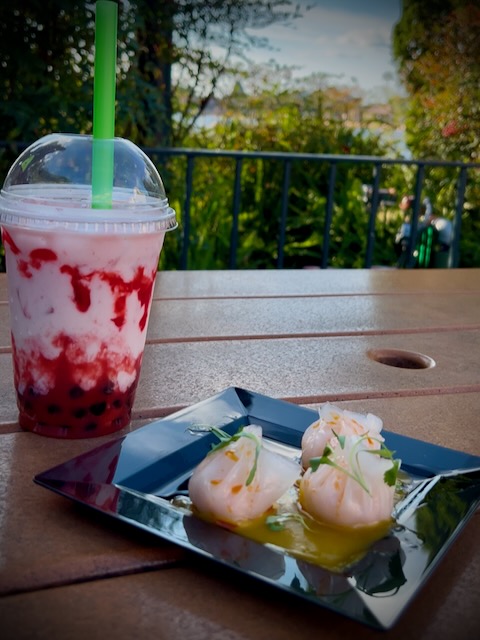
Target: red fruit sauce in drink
{"type": "Point", "coordinates": [67, 410]}
{"type": "Point", "coordinates": [76, 394]}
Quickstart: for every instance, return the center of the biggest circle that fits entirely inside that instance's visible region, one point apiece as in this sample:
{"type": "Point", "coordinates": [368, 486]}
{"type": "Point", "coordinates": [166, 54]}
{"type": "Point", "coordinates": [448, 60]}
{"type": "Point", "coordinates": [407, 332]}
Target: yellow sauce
{"type": "Point", "coordinates": [330, 547]}
{"type": "Point", "coordinates": [325, 545]}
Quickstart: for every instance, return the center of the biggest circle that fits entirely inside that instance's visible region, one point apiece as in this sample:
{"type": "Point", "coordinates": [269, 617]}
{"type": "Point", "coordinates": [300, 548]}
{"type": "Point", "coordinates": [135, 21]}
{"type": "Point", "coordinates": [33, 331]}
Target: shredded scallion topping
{"type": "Point", "coordinates": [389, 477]}
{"type": "Point", "coordinates": [226, 439]}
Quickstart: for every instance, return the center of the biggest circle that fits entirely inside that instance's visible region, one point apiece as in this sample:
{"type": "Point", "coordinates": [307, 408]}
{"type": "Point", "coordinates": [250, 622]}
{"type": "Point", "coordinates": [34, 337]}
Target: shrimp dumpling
{"type": "Point", "coordinates": [351, 485]}
{"type": "Point", "coordinates": [331, 421]}
{"type": "Point", "coordinates": [240, 481]}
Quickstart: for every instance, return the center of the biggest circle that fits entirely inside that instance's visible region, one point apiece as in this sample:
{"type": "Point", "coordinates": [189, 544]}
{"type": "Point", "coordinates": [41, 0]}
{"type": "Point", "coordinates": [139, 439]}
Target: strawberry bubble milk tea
{"type": "Point", "coordinates": [83, 220]}
{"type": "Point", "coordinates": [80, 282]}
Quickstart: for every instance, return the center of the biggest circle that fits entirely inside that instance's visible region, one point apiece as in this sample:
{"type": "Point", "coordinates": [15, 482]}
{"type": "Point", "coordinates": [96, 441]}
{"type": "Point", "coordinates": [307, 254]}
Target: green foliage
{"type": "Point", "coordinates": [444, 506]}
{"type": "Point", "coordinates": [437, 48]}
{"type": "Point", "coordinates": [45, 56]}
{"type": "Point", "coordinates": [46, 62]}
{"type": "Point", "coordinates": [284, 121]}
{"type": "Point", "coordinates": [470, 226]}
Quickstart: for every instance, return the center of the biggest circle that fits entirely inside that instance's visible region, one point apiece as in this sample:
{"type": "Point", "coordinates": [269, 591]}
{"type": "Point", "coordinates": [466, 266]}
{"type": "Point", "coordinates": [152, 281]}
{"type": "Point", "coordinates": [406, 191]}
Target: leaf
{"type": "Point", "coordinates": [390, 476]}
{"type": "Point", "coordinates": [314, 463]}
{"type": "Point", "coordinates": [383, 453]}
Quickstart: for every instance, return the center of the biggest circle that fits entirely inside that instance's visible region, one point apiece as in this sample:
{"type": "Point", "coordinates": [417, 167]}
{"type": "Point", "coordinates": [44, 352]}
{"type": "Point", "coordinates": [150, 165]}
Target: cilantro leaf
{"type": "Point", "coordinates": [390, 476]}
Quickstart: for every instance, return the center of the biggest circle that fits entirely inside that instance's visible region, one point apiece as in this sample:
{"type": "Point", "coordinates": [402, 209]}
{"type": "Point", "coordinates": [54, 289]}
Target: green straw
{"type": "Point", "coordinates": [104, 103]}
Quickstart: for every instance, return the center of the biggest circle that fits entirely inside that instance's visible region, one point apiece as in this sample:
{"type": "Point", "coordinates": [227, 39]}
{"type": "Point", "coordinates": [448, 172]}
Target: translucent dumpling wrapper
{"type": "Point", "coordinates": [352, 484]}
{"type": "Point", "coordinates": [241, 480]}
{"type": "Point", "coordinates": [334, 421]}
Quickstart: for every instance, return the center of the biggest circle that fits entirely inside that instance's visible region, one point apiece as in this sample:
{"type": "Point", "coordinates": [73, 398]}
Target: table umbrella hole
{"type": "Point", "coordinates": [401, 359]}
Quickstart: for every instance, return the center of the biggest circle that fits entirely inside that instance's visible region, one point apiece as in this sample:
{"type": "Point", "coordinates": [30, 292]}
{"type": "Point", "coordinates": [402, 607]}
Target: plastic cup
{"type": "Point", "coordinates": [80, 282]}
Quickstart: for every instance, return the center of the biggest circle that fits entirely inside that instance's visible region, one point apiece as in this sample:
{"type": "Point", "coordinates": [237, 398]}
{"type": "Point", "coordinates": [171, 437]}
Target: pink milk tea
{"type": "Point", "coordinates": [80, 283]}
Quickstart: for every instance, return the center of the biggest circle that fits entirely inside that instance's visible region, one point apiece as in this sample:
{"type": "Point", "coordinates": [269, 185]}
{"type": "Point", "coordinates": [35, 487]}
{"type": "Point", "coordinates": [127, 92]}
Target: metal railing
{"type": "Point", "coordinates": [333, 161]}
{"type": "Point", "coordinates": [287, 160]}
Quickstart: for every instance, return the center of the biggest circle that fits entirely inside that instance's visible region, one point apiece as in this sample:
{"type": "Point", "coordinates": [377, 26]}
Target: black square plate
{"type": "Point", "coordinates": [130, 478]}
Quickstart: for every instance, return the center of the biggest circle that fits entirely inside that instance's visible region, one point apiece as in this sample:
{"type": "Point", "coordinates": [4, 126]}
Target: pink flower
{"type": "Point", "coordinates": [450, 129]}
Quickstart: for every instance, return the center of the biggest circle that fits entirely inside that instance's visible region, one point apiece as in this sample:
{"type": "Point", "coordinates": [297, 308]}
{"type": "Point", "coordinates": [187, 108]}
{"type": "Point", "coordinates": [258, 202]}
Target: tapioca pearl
{"type": "Point", "coordinates": [108, 388]}
{"type": "Point", "coordinates": [91, 426]}
{"type": "Point", "coordinates": [116, 404]}
{"type": "Point", "coordinates": [54, 408]}
{"type": "Point", "coordinates": [98, 408]}
{"type": "Point", "coordinates": [76, 392]}
{"type": "Point", "coordinates": [79, 413]}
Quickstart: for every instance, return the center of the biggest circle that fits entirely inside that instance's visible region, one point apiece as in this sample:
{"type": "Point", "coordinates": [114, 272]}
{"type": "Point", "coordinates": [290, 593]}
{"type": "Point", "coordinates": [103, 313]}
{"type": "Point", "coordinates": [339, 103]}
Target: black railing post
{"type": "Point", "coordinates": [377, 170]}
{"type": "Point", "coordinates": [186, 213]}
{"type": "Point", "coordinates": [328, 214]}
{"type": "Point", "coordinates": [287, 165]}
{"type": "Point", "coordinates": [415, 216]}
{"type": "Point", "coordinates": [457, 223]}
{"type": "Point", "coordinates": [236, 210]}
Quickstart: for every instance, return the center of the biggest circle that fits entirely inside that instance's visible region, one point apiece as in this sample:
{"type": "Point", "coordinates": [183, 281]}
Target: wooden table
{"type": "Point", "coordinates": [304, 336]}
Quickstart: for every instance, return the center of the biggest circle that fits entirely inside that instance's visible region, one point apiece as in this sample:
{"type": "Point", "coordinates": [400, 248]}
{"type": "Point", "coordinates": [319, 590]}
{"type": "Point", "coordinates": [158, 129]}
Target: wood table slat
{"type": "Point", "coordinates": [305, 282]}
{"type": "Point", "coordinates": [204, 319]}
{"type": "Point", "coordinates": [178, 320]}
{"type": "Point", "coordinates": [69, 572]}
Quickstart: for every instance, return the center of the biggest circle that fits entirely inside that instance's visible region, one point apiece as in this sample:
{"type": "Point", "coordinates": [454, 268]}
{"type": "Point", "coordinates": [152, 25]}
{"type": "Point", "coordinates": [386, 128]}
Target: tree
{"type": "Point", "coordinates": [181, 49]}
{"type": "Point", "coordinates": [46, 61]}
{"type": "Point", "coordinates": [271, 111]}
{"type": "Point", "coordinates": [437, 48]}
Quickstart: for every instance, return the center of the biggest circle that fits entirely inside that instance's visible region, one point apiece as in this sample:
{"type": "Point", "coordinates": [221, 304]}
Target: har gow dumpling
{"type": "Point", "coordinates": [334, 421]}
{"type": "Point", "coordinates": [239, 480]}
{"type": "Point", "coordinates": [352, 484]}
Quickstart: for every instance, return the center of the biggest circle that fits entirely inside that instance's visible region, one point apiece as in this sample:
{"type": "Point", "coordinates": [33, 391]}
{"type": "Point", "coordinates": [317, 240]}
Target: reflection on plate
{"type": "Point", "coordinates": [130, 479]}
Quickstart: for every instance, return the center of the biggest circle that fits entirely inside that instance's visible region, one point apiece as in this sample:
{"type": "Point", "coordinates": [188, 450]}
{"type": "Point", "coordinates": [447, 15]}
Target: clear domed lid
{"type": "Point", "coordinates": [50, 184]}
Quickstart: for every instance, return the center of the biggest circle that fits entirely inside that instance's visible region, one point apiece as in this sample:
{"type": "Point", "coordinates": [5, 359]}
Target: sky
{"type": "Point", "coordinates": [350, 39]}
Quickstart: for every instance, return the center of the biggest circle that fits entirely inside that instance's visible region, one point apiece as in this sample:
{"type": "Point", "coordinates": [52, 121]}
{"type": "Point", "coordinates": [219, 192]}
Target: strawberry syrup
{"type": "Point", "coordinates": [67, 410]}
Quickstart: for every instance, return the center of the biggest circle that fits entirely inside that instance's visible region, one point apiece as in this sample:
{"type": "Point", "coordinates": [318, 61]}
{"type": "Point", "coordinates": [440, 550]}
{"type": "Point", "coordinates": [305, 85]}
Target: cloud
{"type": "Point", "coordinates": [348, 37]}
{"type": "Point", "coordinates": [365, 38]}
